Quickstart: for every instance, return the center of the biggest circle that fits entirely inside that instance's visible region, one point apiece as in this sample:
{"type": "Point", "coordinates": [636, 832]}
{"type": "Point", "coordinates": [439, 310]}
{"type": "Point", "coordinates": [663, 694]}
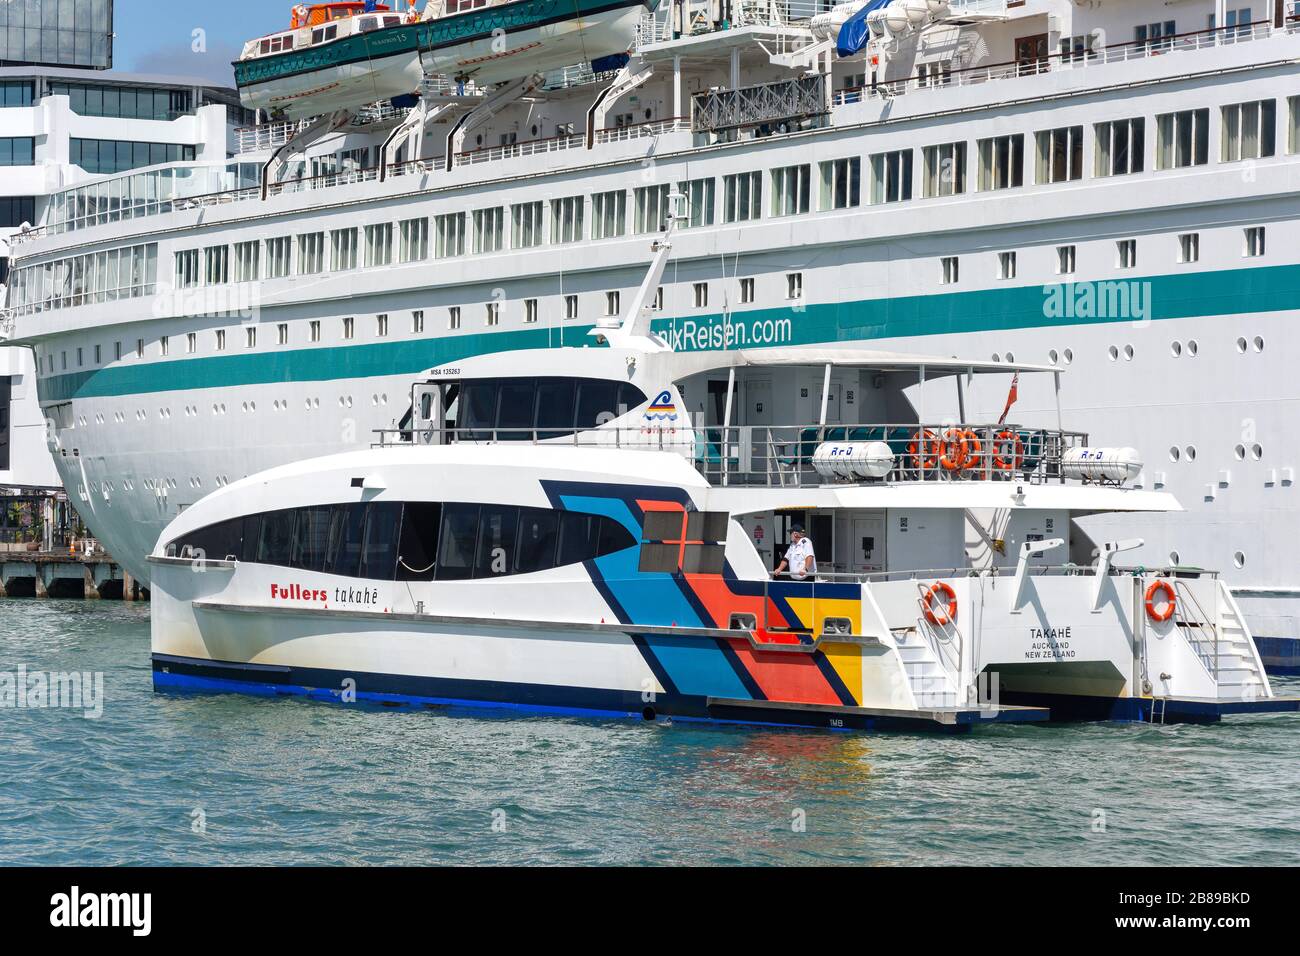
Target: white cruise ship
{"type": "Point", "coordinates": [1110, 188]}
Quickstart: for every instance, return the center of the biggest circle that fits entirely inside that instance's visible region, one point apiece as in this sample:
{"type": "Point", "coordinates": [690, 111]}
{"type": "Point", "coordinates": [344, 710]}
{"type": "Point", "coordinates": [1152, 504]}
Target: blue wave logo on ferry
{"type": "Point", "coordinates": [662, 409]}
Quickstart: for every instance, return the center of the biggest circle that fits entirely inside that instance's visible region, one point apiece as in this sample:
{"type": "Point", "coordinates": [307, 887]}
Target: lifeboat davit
{"type": "Point", "coordinates": [346, 55]}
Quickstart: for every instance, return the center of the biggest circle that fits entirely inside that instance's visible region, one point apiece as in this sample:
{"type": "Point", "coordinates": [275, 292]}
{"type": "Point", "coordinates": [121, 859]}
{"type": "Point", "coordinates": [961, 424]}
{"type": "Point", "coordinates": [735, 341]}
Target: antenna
{"type": "Point", "coordinates": [634, 328]}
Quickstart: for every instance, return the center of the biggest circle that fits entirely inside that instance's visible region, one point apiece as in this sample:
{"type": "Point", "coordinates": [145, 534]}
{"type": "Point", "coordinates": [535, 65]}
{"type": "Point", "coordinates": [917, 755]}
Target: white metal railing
{"type": "Point", "coordinates": [532, 147]}
{"type": "Point", "coordinates": [1117, 53]}
{"type": "Point", "coordinates": [268, 135]}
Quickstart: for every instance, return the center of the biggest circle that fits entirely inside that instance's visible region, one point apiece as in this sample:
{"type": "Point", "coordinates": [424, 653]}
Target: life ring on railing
{"type": "Point", "coordinates": [953, 454]}
{"type": "Point", "coordinates": [924, 449]}
{"type": "Point", "coordinates": [944, 616]}
{"type": "Point", "coordinates": [1000, 442]}
{"type": "Point", "coordinates": [1171, 601]}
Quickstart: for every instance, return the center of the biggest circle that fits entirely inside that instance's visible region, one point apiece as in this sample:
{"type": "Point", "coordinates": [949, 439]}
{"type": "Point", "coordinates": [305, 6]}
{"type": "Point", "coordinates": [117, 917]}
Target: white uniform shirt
{"type": "Point", "coordinates": [796, 556]}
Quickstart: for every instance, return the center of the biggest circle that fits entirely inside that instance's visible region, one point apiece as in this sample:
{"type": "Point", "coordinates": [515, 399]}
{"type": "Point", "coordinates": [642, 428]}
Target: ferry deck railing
{"type": "Point", "coordinates": [786, 455]}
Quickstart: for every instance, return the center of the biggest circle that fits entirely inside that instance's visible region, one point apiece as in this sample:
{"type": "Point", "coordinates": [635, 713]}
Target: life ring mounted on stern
{"type": "Point", "coordinates": [1001, 460]}
{"type": "Point", "coordinates": [946, 615]}
{"type": "Point", "coordinates": [924, 449]}
{"type": "Point", "coordinates": [1171, 601]}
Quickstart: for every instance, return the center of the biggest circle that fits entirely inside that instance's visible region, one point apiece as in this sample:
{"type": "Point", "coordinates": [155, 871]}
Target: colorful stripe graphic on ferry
{"type": "Point", "coordinates": [702, 666]}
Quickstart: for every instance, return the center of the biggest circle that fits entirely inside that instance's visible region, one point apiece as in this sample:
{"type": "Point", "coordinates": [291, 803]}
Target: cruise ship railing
{"type": "Point", "coordinates": [1072, 60]}
{"type": "Point", "coordinates": [787, 455]}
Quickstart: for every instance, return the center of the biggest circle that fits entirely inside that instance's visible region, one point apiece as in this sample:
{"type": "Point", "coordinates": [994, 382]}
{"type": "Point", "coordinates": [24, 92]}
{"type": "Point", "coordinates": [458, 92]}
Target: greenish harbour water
{"type": "Point", "coordinates": [187, 779]}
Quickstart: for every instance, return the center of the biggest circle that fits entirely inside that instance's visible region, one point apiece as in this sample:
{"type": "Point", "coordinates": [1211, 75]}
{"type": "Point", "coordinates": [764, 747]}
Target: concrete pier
{"type": "Point", "coordinates": [65, 575]}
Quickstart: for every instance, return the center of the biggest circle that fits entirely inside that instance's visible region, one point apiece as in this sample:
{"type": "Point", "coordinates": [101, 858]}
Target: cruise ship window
{"type": "Point", "coordinates": [1065, 260]}
{"type": "Point", "coordinates": [449, 235]}
{"type": "Point", "coordinates": [1293, 120]}
{"type": "Point", "coordinates": [1156, 35]}
{"type": "Point", "coordinates": [216, 260]}
{"type": "Point", "coordinates": [247, 261]}
{"type": "Point", "coordinates": [1254, 241]}
{"type": "Point", "coordinates": [1060, 155]}
{"type": "Point", "coordinates": [742, 197]}
{"type": "Point", "coordinates": [699, 195]}
{"type": "Point", "coordinates": [221, 340]}
{"type": "Point", "coordinates": [250, 337]}
{"type": "Point", "coordinates": [609, 214]}
{"type": "Point", "coordinates": [566, 219]}
{"type": "Point", "coordinates": [1006, 265]}
{"type": "Point", "coordinates": [1249, 131]}
{"type": "Point", "coordinates": [746, 290]}
{"type": "Point", "coordinates": [453, 317]}
{"type": "Point", "coordinates": [191, 342]}
{"type": "Point", "coordinates": [840, 183]}
{"type": "Point", "coordinates": [492, 311]}
{"type": "Point", "coordinates": [701, 292]}
{"type": "Point", "coordinates": [413, 240]}
{"type": "Point", "coordinates": [1189, 247]}
{"type": "Point", "coordinates": [343, 250]}
{"type": "Point", "coordinates": [379, 245]}
{"type": "Point", "coordinates": [945, 170]}
{"type": "Point", "coordinates": [951, 270]}
{"type": "Point", "coordinates": [348, 327]}
{"type": "Point", "coordinates": [162, 345]}
{"type": "Point", "coordinates": [417, 321]}
{"type": "Point", "coordinates": [526, 225]}
{"type": "Point", "coordinates": [1121, 147]}
{"type": "Point", "coordinates": [570, 307]}
{"type": "Point", "coordinates": [314, 330]}
{"type": "Point", "coordinates": [1183, 139]}
{"type": "Point", "coordinates": [311, 253]}
{"type": "Point", "coordinates": [530, 311]}
{"type": "Point", "coordinates": [489, 230]}
{"type": "Point", "coordinates": [98, 354]}
{"type": "Point", "coordinates": [1126, 253]}
{"type": "Point", "coordinates": [79, 362]}
{"type": "Point", "coordinates": [612, 303]}
{"type": "Point", "coordinates": [282, 333]}
{"type": "Point", "coordinates": [381, 326]}
{"type": "Point", "coordinates": [1002, 162]}
{"type": "Point", "coordinates": [187, 269]}
{"type": "Point", "coordinates": [278, 261]}
{"type": "Point", "coordinates": [117, 351]}
{"type": "Point", "coordinates": [790, 190]}
{"type": "Point", "coordinates": [139, 348]}
{"type": "Point", "coordinates": [651, 208]}
{"type": "Point", "coordinates": [891, 176]}
{"type": "Point", "coordinates": [794, 285]}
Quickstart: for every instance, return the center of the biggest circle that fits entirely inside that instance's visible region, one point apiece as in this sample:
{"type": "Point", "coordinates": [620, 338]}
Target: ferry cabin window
{"type": "Point", "coordinates": [553, 407]}
{"type": "Point", "coordinates": [538, 536]}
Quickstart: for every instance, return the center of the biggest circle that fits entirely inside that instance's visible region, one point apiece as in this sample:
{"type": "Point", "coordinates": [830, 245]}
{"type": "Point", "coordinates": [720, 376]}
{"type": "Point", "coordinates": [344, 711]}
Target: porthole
{"type": "Point", "coordinates": [1010, 357]}
{"type": "Point", "coordinates": [1176, 349]}
{"type": "Point", "coordinates": [1053, 356]}
{"type": "Point", "coordinates": [1128, 353]}
{"type": "Point", "coordinates": [1192, 347]}
{"type": "Point", "coordinates": [1259, 343]}
{"type": "Point", "coordinates": [1190, 452]}
{"type": "Point", "coordinates": [309, 404]}
{"type": "Point", "coordinates": [1256, 452]}
{"type": "Point", "coordinates": [1241, 345]}
{"type": "Point", "coordinates": [1068, 355]}
{"type": "Point", "coordinates": [1113, 352]}
{"type": "Point", "coordinates": [997, 357]}
{"type": "Point", "coordinates": [1239, 559]}
{"type": "Point", "coordinates": [1174, 453]}
{"type": "Point", "coordinates": [1174, 558]}
{"type": "Point", "coordinates": [374, 399]}
{"type": "Point", "coordinates": [1240, 452]}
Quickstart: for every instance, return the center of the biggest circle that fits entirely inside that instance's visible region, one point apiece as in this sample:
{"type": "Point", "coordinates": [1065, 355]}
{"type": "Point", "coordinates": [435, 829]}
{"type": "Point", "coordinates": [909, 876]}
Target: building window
{"type": "Point", "coordinates": [1183, 139]}
{"type": "Point", "coordinates": [891, 176]}
{"type": "Point", "coordinates": [612, 303]}
{"type": "Point", "coordinates": [1249, 131]}
{"type": "Point", "coordinates": [699, 195]}
{"type": "Point", "coordinates": [1066, 260]}
{"type": "Point", "coordinates": [794, 285]}
{"type": "Point", "coordinates": [314, 330]}
{"type": "Point", "coordinates": [282, 333]}
{"type": "Point", "coordinates": [1189, 247]}
{"type": "Point", "coordinates": [216, 261]}
{"type": "Point", "coordinates": [608, 214]}
{"type": "Point", "coordinates": [250, 336]}
{"type": "Point", "coordinates": [343, 250]}
{"type": "Point", "coordinates": [16, 210]}
{"type": "Point", "coordinates": [449, 235]}
{"type": "Point", "coordinates": [379, 245]}
{"type": "Point", "coordinates": [187, 269]}
{"type": "Point", "coordinates": [945, 169]}
{"type": "Point", "coordinates": [1254, 241]}
{"type": "Point", "coordinates": [571, 307]}
{"type": "Point", "coordinates": [746, 291]}
{"type": "Point", "coordinates": [1002, 162]}
{"type": "Point", "coordinates": [1127, 253]}
{"type": "Point", "coordinates": [840, 184]}
{"type": "Point", "coordinates": [790, 190]}
{"type": "Point", "coordinates": [453, 317]}
{"type": "Point", "coordinates": [413, 240]}
{"type": "Point", "coordinates": [311, 253]}
{"type": "Point", "coordinates": [279, 257]}
{"type": "Point", "coordinates": [16, 93]}
{"type": "Point", "coordinates": [701, 292]}
{"type": "Point", "coordinates": [526, 225]}
{"type": "Point", "coordinates": [566, 219]}
{"type": "Point", "coordinates": [1006, 265]}
{"type": "Point", "coordinates": [489, 229]}
{"type": "Point", "coordinates": [348, 327]}
{"type": "Point", "coordinates": [221, 340]}
{"type": "Point", "coordinates": [493, 312]}
{"type": "Point", "coordinates": [1121, 147]}
{"type": "Point", "coordinates": [951, 268]}
{"type": "Point", "coordinates": [1060, 155]}
{"type": "Point", "coordinates": [417, 322]}
{"type": "Point", "coordinates": [248, 261]}
{"type": "Point", "coordinates": [530, 311]}
{"type": "Point", "coordinates": [651, 208]}
{"type": "Point", "coordinates": [102, 156]}
{"type": "Point", "coordinates": [381, 325]}
{"type": "Point", "coordinates": [19, 151]}
{"type": "Point", "coordinates": [742, 197]}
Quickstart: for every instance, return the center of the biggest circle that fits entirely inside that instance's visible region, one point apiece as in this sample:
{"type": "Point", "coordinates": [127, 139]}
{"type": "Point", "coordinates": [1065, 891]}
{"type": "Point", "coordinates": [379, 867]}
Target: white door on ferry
{"type": "Point", "coordinates": [868, 544]}
{"type": "Point", "coordinates": [758, 417]}
{"type": "Point", "coordinates": [832, 404]}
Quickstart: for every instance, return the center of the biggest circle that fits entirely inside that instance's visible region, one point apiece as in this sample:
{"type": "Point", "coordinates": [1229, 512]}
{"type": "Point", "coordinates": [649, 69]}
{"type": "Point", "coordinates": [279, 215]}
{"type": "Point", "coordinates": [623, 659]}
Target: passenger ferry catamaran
{"type": "Point", "coordinates": [1110, 189]}
{"type": "Point", "coordinates": [549, 531]}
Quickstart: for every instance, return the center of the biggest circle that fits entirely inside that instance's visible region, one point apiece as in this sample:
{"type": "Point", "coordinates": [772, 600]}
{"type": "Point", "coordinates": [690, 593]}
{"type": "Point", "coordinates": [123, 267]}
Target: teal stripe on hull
{"type": "Point", "coordinates": [1229, 292]}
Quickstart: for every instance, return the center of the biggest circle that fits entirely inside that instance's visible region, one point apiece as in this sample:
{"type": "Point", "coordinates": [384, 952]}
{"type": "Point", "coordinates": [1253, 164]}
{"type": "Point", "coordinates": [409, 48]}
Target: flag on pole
{"type": "Point", "coordinates": [1011, 397]}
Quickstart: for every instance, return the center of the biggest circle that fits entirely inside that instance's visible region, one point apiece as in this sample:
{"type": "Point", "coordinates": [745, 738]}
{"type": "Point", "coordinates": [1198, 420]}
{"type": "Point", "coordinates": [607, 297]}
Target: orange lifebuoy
{"type": "Point", "coordinates": [974, 449]}
{"type": "Point", "coordinates": [953, 457]}
{"type": "Point", "coordinates": [1000, 442]}
{"type": "Point", "coordinates": [924, 449]}
{"type": "Point", "coordinates": [936, 589]}
{"type": "Point", "coordinates": [1171, 601]}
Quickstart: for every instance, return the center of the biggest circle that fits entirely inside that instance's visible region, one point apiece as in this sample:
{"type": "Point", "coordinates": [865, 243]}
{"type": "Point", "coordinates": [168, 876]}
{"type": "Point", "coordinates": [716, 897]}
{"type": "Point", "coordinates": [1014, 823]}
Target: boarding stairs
{"type": "Point", "coordinates": [1222, 643]}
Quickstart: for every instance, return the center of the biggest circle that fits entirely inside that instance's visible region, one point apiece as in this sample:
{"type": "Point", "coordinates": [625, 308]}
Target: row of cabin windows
{"type": "Point", "coordinates": [412, 541]}
{"type": "Point", "coordinates": [1254, 245]}
{"type": "Point", "coordinates": [521, 408]}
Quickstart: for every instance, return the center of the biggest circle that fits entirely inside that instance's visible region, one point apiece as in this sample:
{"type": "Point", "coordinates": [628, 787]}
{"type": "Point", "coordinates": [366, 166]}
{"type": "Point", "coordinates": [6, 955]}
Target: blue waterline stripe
{"type": "Point", "coordinates": [1177, 296]}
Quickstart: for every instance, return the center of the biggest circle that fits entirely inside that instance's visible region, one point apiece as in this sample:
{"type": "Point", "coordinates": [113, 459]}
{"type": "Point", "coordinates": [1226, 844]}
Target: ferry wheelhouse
{"type": "Point", "coordinates": [596, 529]}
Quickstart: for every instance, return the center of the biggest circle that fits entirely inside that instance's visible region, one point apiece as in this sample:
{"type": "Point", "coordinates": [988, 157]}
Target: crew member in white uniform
{"type": "Point", "coordinates": [799, 557]}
